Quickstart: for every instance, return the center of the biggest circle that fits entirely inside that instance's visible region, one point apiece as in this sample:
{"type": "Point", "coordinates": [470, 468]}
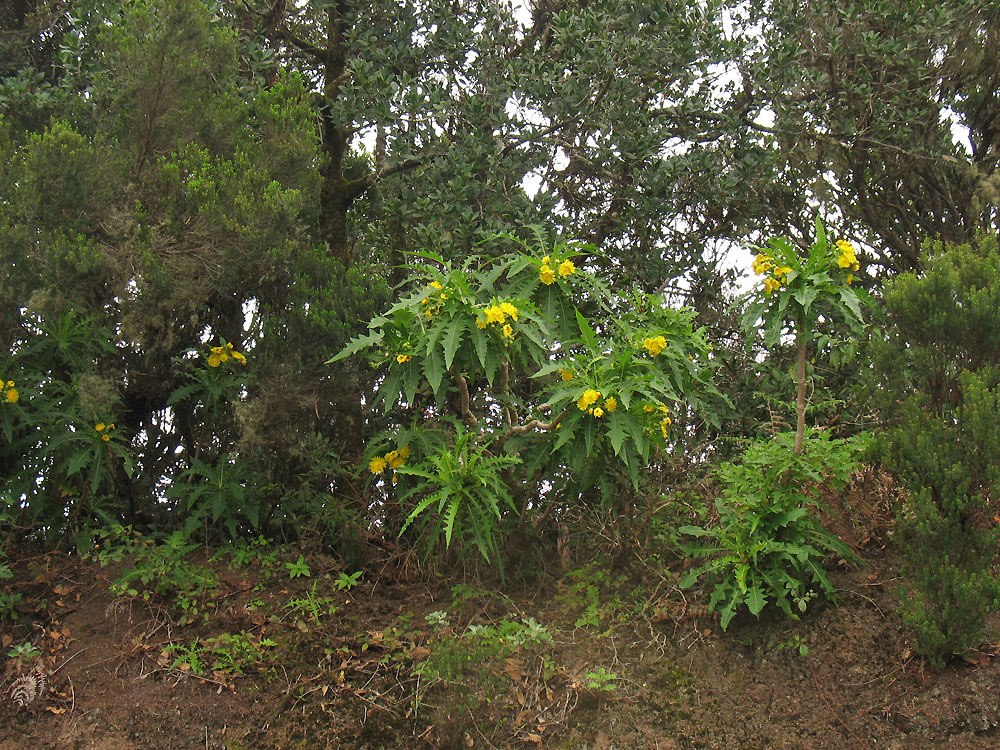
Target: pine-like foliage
{"type": "Point", "coordinates": [941, 362]}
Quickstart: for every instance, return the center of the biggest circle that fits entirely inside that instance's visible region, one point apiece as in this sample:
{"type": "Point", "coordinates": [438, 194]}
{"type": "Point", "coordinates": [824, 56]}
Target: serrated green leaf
{"type": "Point", "coordinates": [434, 370]}
{"type": "Point", "coordinates": [357, 344]}
{"type": "Point", "coordinates": [453, 339]}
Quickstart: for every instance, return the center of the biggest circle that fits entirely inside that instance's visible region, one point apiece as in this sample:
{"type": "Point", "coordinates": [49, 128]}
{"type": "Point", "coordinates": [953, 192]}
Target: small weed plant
{"type": "Point", "coordinates": [312, 606]}
{"type": "Point", "coordinates": [299, 568]}
{"type": "Point", "coordinates": [600, 679]}
{"type": "Point", "coordinates": [156, 569]}
{"type": "Point", "coordinates": [225, 654]}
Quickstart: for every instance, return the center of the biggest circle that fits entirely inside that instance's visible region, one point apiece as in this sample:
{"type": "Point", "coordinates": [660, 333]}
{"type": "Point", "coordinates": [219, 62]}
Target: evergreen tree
{"type": "Point", "coordinates": [940, 370]}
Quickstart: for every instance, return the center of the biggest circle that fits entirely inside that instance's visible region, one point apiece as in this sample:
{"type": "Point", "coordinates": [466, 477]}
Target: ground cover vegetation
{"type": "Point", "coordinates": [305, 299]}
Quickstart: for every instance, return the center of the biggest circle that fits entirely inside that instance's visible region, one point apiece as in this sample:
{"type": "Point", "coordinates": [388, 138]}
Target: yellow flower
{"type": "Point", "coordinates": [782, 271]}
{"type": "Point", "coordinates": [427, 314]}
{"type": "Point", "coordinates": [546, 274]}
{"type": "Point", "coordinates": [508, 332]}
{"type": "Point", "coordinates": [376, 465]}
{"type": "Point", "coordinates": [111, 426]}
{"type": "Point", "coordinates": [850, 278]}
{"type": "Point", "coordinates": [598, 412]}
{"type": "Point", "coordinates": [213, 360]}
{"type": "Point", "coordinates": [611, 404]}
{"type": "Point", "coordinates": [393, 459]}
{"type": "Point", "coordinates": [241, 358]}
{"type": "Point", "coordinates": [649, 408]}
{"type": "Point", "coordinates": [10, 383]}
{"type": "Point", "coordinates": [105, 437]}
{"type": "Point", "coordinates": [546, 260]}
{"type": "Point", "coordinates": [664, 409]}
{"type": "Point", "coordinates": [664, 425]}
{"type": "Point", "coordinates": [762, 263]}
{"type": "Point", "coordinates": [436, 284]}
{"type": "Point", "coordinates": [404, 452]}
{"type": "Point", "coordinates": [217, 350]}
{"type": "Point", "coordinates": [566, 268]}
{"type": "Point", "coordinates": [655, 345]}
{"type": "Point", "coordinates": [495, 315]}
{"type": "Point", "coordinates": [223, 357]}
{"type": "Point", "coordinates": [394, 479]}
{"type": "Point", "coordinates": [509, 309]}
{"type": "Point", "coordinates": [229, 345]}
{"type": "Point", "coordinates": [848, 255]}
{"type": "Point", "coordinates": [403, 358]}
{"type": "Point", "coordinates": [589, 398]}
{"type": "Point", "coordinates": [565, 374]}
{"type": "Point", "coordinates": [480, 323]}
{"type": "Point", "coordinates": [425, 300]}
{"type": "Point", "coordinates": [771, 285]}
{"type": "Point", "coordinates": [99, 426]}
{"type": "Point", "coordinates": [12, 395]}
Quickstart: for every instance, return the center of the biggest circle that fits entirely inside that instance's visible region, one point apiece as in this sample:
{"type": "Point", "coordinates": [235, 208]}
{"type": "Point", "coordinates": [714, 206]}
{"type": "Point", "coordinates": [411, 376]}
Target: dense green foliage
{"type": "Point", "coordinates": [201, 201]}
{"type": "Point", "coordinates": [512, 402]}
{"type": "Point", "coordinates": [769, 545]}
{"type": "Point", "coordinates": [942, 358]}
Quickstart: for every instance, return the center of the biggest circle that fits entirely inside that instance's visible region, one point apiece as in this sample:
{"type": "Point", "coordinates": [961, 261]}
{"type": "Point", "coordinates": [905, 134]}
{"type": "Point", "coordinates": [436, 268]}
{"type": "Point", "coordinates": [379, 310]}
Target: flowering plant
{"type": "Point", "coordinates": [798, 290]}
{"type": "Point", "coordinates": [539, 365]}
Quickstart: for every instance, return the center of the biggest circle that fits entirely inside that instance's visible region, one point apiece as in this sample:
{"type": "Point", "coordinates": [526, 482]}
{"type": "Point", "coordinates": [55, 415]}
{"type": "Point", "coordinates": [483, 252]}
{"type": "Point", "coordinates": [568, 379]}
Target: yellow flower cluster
{"type": "Point", "coordinates": [403, 358]}
{"type": "Point", "coordinates": [548, 275]}
{"type": "Point", "coordinates": [104, 430]}
{"type": "Point", "coordinates": [848, 258]}
{"type": "Point", "coordinates": [430, 297]}
{"type": "Point", "coordinates": [665, 422]}
{"type": "Point", "coordinates": [498, 314]}
{"type": "Point", "coordinates": [221, 354]}
{"type": "Point", "coordinates": [10, 394]}
{"type": "Point", "coordinates": [392, 459]}
{"type": "Point", "coordinates": [763, 264]}
{"type": "Point", "coordinates": [588, 399]}
{"type": "Point", "coordinates": [655, 345]}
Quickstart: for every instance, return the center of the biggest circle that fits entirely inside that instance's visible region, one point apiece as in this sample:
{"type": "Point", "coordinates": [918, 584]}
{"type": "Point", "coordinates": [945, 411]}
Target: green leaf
{"type": "Point", "coordinates": [434, 370]}
{"type": "Point", "coordinates": [586, 332]}
{"type": "Point", "coordinates": [755, 600]}
{"type": "Point", "coordinates": [805, 296]}
{"type": "Point", "coordinates": [851, 302]}
{"type": "Point", "coordinates": [479, 340]}
{"type": "Point", "coordinates": [727, 613]}
{"type": "Point", "coordinates": [616, 433]}
{"type": "Point", "coordinates": [357, 344]}
{"type": "Point", "coordinates": [453, 340]}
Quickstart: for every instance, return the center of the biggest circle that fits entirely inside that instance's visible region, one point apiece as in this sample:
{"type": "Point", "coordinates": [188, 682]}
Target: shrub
{"type": "Point", "coordinates": [520, 385]}
{"type": "Point", "coordinates": [941, 360]}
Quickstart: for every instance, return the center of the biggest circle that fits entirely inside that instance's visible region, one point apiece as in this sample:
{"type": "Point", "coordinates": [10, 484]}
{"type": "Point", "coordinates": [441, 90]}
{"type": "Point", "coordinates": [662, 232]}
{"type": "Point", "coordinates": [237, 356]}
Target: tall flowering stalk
{"type": "Point", "coordinates": [797, 288]}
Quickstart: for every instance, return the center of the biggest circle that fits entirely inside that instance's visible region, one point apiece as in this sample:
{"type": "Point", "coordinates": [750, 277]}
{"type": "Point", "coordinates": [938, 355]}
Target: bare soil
{"type": "Point", "coordinates": [648, 668]}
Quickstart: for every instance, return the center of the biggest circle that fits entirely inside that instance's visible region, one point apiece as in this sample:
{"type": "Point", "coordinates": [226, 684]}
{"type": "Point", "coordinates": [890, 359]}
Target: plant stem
{"type": "Point", "coordinates": [800, 396]}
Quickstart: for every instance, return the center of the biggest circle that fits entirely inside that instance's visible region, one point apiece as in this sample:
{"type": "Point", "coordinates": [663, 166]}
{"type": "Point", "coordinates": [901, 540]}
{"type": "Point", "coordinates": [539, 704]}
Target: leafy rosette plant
{"type": "Point", "coordinates": [768, 546]}
{"type": "Point", "coordinates": [549, 378]}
